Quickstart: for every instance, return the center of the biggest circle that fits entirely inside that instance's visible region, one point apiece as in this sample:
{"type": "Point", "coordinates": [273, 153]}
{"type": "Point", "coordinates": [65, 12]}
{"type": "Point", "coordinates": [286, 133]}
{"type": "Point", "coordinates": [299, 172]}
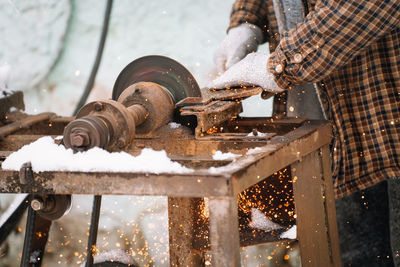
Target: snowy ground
{"type": "Point", "coordinates": [50, 46]}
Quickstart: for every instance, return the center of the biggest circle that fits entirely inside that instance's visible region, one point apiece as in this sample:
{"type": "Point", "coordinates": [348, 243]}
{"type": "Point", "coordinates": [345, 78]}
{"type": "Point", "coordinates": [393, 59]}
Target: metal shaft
{"type": "Point", "coordinates": [139, 113]}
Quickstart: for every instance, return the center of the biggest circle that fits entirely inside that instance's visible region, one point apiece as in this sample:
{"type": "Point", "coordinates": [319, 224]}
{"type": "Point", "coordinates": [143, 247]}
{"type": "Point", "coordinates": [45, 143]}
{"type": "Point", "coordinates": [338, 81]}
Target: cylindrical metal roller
{"type": "Point", "coordinates": [155, 99]}
{"type": "Point", "coordinates": [106, 124]}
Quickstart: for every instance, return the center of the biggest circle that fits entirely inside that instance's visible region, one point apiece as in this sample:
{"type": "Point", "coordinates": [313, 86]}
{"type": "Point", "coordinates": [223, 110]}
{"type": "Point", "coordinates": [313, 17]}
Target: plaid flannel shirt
{"type": "Point", "coordinates": [351, 49]}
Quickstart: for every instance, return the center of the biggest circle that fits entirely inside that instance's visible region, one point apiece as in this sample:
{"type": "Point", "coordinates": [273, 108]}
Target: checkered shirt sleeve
{"type": "Point", "coordinates": [330, 37]}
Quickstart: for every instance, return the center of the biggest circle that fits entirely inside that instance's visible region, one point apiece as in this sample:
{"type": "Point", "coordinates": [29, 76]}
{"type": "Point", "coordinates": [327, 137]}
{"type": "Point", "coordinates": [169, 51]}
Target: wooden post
{"type": "Point", "coordinates": [224, 231]}
{"type": "Point", "coordinates": [315, 210]}
{"type": "Point", "coordinates": [181, 215]}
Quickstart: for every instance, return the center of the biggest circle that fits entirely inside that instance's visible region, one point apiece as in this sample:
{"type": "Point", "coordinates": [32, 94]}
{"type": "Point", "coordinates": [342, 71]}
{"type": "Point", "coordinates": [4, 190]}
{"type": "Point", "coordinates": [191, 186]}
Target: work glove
{"type": "Point", "coordinates": [239, 42]}
{"type": "Point", "coordinates": [250, 71]}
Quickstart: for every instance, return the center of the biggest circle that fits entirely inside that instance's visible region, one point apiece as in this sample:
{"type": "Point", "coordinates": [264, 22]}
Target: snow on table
{"type": "Point", "coordinates": [45, 155]}
{"type": "Point", "coordinates": [219, 155]}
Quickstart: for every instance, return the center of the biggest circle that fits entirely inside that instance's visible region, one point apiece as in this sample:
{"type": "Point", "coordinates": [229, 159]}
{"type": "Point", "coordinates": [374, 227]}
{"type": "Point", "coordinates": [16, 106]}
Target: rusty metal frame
{"type": "Point", "coordinates": [301, 139]}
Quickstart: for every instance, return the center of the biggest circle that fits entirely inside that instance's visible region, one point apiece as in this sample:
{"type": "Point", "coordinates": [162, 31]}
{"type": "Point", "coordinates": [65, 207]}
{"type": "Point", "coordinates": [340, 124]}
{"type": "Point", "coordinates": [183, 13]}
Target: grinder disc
{"type": "Point", "coordinates": [161, 70]}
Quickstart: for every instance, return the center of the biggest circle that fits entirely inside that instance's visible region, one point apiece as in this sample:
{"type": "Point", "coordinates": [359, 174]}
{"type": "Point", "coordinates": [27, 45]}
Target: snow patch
{"type": "Point", "coordinates": [253, 150]}
{"type": "Point", "coordinates": [115, 255]}
{"type": "Point", "coordinates": [261, 222]}
{"type": "Point", "coordinates": [218, 155]}
{"type": "Point", "coordinates": [290, 234]}
{"type": "Point", "coordinates": [258, 134]}
{"type": "Point", "coordinates": [174, 125]}
{"type": "Point", "coordinates": [45, 155]}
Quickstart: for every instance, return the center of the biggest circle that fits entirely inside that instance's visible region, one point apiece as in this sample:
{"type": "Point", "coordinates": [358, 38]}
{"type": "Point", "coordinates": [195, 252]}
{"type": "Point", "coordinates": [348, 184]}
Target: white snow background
{"type": "Point", "coordinates": [50, 47]}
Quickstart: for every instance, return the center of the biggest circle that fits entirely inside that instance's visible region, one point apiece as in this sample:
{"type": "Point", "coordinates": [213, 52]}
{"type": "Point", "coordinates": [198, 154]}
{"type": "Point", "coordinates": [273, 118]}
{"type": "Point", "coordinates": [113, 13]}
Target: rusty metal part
{"type": "Point", "coordinates": [36, 235]}
{"type": "Point", "coordinates": [139, 113]}
{"type": "Point", "coordinates": [296, 140]}
{"type": "Point", "coordinates": [209, 95]}
{"type": "Point", "coordinates": [143, 107]}
{"type": "Point", "coordinates": [24, 123]}
{"type": "Point", "coordinates": [155, 99]}
{"type": "Point", "coordinates": [51, 207]}
{"type": "Point", "coordinates": [106, 124]}
{"type": "Point", "coordinates": [160, 70]}
{"type": "Point", "coordinates": [9, 101]}
{"type": "Point", "coordinates": [212, 115]}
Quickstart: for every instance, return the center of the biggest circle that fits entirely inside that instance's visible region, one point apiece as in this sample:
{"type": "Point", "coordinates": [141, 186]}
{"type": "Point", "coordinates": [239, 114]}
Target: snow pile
{"type": "Point", "coordinates": [261, 222]}
{"type": "Point", "coordinates": [258, 134]}
{"type": "Point", "coordinates": [253, 150]}
{"type": "Point", "coordinates": [45, 155]}
{"type": "Point", "coordinates": [290, 234]}
{"type": "Point", "coordinates": [218, 155]}
{"type": "Point", "coordinates": [174, 125]}
{"type": "Point", "coordinates": [115, 255]}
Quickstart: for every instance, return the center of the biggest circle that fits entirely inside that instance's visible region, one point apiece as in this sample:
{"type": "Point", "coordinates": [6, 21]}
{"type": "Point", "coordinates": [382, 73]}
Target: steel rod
{"type": "Point", "coordinates": [24, 123]}
{"type": "Point", "coordinates": [29, 232]}
{"type": "Point", "coordinates": [94, 226]}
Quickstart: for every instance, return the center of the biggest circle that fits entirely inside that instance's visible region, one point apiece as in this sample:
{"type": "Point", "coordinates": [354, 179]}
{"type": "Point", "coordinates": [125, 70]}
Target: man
{"type": "Point", "coordinates": [351, 49]}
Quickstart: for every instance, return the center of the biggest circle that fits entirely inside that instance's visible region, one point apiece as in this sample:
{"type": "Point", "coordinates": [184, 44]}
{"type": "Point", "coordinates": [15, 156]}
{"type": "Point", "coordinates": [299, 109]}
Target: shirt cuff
{"type": "Point", "coordinates": [290, 65]}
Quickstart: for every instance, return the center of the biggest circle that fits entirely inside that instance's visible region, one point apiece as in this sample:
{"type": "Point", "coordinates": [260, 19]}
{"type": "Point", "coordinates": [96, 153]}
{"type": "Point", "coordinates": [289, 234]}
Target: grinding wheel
{"type": "Point", "coordinates": [161, 70]}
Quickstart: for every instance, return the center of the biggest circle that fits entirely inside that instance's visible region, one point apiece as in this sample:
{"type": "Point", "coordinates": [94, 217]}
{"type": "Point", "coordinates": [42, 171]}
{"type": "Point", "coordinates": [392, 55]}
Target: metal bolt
{"type": "Point", "coordinates": [37, 204]}
{"type": "Point", "coordinates": [79, 139]}
{"type": "Point", "coordinates": [98, 106]}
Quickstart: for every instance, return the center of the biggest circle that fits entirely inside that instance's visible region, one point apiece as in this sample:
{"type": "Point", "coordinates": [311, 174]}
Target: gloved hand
{"type": "Point", "coordinates": [239, 42]}
{"type": "Point", "coordinates": [250, 71]}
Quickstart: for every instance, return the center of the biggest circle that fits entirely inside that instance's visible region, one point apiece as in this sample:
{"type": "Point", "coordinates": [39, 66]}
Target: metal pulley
{"type": "Point", "coordinates": [144, 98]}
{"type": "Point", "coordinates": [51, 207]}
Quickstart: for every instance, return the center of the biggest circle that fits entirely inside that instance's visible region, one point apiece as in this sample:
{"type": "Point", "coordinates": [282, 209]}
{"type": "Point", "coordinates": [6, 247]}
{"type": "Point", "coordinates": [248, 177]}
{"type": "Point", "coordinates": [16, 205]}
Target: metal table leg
{"type": "Point", "coordinates": [224, 231]}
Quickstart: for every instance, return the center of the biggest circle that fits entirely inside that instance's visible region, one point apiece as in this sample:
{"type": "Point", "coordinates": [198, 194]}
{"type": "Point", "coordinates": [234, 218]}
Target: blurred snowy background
{"type": "Point", "coordinates": [51, 45]}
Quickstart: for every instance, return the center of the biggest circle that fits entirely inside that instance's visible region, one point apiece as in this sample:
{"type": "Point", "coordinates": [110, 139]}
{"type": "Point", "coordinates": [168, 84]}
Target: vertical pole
{"type": "Point", "coordinates": [36, 235]}
{"type": "Point", "coordinates": [224, 231]}
{"type": "Point", "coordinates": [315, 211]}
{"type": "Point", "coordinates": [94, 226]}
{"type": "Point", "coordinates": [330, 208]}
{"type": "Point", "coordinates": [182, 213]}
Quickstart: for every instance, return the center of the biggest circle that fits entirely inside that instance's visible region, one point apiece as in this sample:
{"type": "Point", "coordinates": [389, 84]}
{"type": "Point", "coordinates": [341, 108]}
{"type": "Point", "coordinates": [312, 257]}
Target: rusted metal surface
{"type": "Point", "coordinates": [270, 157]}
{"type": "Point", "coordinates": [316, 216]}
{"type": "Point", "coordinates": [155, 99]}
{"type": "Point", "coordinates": [182, 231]}
{"type": "Point", "coordinates": [142, 107]}
{"type": "Point", "coordinates": [7, 102]}
{"type": "Point", "coordinates": [24, 123]}
{"type": "Point", "coordinates": [209, 95]}
{"type": "Point", "coordinates": [212, 114]}
{"type": "Point", "coordinates": [224, 234]}
{"type": "Point", "coordinates": [286, 142]}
